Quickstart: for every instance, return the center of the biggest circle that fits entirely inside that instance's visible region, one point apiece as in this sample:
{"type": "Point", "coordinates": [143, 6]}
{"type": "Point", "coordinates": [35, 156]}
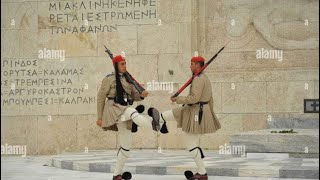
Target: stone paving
{"type": "Point", "coordinates": [269, 165]}
{"type": "Point", "coordinates": [36, 168]}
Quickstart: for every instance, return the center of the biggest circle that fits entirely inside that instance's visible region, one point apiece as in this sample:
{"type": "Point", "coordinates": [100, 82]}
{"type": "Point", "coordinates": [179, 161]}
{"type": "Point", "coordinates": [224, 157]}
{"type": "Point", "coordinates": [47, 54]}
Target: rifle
{"type": "Point", "coordinates": [128, 76]}
{"type": "Point", "coordinates": [196, 74]}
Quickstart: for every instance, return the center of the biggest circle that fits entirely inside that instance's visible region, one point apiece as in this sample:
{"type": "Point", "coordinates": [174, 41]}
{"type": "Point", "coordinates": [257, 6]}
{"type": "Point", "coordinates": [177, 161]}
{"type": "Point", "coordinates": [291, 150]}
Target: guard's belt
{"type": "Point", "coordinates": [200, 110]}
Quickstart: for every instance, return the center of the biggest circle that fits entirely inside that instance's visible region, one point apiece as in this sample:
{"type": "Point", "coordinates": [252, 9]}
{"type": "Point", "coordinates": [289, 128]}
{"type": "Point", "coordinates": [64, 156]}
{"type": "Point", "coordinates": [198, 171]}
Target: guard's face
{"type": "Point", "coordinates": [122, 66]}
{"type": "Point", "coordinates": [194, 67]}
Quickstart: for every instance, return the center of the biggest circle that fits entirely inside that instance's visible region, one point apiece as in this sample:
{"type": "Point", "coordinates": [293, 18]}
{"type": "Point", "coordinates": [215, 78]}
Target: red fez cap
{"type": "Point", "coordinates": [197, 59]}
{"type": "Point", "coordinates": [117, 59]}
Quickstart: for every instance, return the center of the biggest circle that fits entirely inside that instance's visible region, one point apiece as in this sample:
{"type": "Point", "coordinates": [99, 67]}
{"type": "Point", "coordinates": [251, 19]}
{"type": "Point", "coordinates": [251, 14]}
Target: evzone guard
{"type": "Point", "coordinates": [115, 97]}
{"type": "Point", "coordinates": [196, 116]}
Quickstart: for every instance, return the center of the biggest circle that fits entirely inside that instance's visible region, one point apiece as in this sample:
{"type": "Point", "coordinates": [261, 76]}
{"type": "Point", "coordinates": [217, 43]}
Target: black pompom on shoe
{"type": "Point", "coordinates": [126, 175]}
{"type": "Point", "coordinates": [188, 174]}
{"type": "Point", "coordinates": [140, 108]}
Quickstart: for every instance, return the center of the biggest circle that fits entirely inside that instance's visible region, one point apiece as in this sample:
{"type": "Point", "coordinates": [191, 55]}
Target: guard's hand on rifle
{"type": "Point", "coordinates": [144, 94]}
{"type": "Point", "coordinates": [173, 99]}
{"type": "Point", "coordinates": [99, 122]}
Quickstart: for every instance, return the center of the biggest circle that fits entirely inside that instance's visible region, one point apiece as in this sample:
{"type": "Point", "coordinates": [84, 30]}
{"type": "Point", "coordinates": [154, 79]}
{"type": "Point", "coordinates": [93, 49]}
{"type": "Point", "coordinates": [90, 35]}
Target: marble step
{"type": "Point", "coordinates": [293, 123]}
{"type": "Point", "coordinates": [304, 143]}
